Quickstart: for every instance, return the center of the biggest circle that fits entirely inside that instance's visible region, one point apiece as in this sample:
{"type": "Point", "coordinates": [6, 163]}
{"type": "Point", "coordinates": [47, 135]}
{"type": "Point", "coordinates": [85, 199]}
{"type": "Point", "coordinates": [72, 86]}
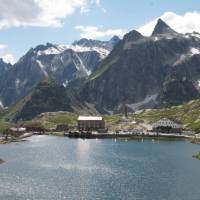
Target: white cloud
{"type": "Point", "coordinates": [186, 23]}
{"type": "Point", "coordinates": [94, 32]}
{"type": "Point", "coordinates": [3, 46]}
{"type": "Point", "coordinates": [15, 13]}
{"type": "Point", "coordinates": [8, 58]}
{"type": "Point", "coordinates": [97, 2]}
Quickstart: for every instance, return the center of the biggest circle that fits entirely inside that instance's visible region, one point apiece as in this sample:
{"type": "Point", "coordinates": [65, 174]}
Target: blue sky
{"type": "Point", "coordinates": [27, 23]}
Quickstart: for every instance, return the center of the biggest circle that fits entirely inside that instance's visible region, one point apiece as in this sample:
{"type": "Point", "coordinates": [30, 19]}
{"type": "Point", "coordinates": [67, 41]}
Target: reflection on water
{"type": "Point", "coordinates": [60, 168]}
{"type": "Point", "coordinates": [83, 150]}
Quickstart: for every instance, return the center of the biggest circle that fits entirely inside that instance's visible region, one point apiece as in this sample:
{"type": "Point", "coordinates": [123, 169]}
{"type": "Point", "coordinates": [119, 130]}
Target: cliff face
{"type": "Point", "coordinates": [155, 71]}
{"type": "Point", "coordinates": [62, 63]}
{"type": "Point", "coordinates": [47, 96]}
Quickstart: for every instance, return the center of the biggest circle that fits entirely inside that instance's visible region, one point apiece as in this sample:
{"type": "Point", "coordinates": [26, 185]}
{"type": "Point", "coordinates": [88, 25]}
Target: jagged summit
{"type": "Point", "coordinates": [162, 28]}
{"type": "Point", "coordinates": [133, 36]}
{"type": "Point", "coordinates": [84, 42]}
{"type": "Point", "coordinates": [114, 40]}
{"type": "Point", "coordinates": [43, 47]}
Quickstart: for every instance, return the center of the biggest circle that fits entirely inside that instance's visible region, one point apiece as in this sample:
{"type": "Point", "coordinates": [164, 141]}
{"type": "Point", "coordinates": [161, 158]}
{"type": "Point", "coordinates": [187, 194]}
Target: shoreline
{"type": "Point", "coordinates": [127, 136]}
{"type": "Point", "coordinates": [17, 139]}
{"type": "Point", "coordinates": [167, 137]}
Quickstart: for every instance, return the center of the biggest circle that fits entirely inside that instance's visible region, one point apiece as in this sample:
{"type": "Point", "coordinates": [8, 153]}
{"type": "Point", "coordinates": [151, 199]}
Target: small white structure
{"type": "Point", "coordinates": [86, 123]}
{"type": "Point", "coordinates": [198, 135]}
{"type": "Point", "coordinates": [18, 129]}
{"type": "Point", "coordinates": [166, 123]}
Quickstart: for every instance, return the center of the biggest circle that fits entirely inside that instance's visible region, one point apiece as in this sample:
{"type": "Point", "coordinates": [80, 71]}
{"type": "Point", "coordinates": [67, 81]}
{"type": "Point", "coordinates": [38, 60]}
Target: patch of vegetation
{"type": "Point", "coordinates": [197, 155]}
{"type": "Point", "coordinates": [51, 120]}
{"type": "Point", "coordinates": [46, 97]}
{"type": "Point", "coordinates": [10, 113]}
{"type": "Point", "coordinates": [188, 114]}
{"type": "Point", "coordinates": [103, 68]}
{"type": "Point", "coordinates": [5, 125]}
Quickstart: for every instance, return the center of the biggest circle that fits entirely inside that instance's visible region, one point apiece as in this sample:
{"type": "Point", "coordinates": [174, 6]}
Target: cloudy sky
{"type": "Point", "coordinates": [27, 23]}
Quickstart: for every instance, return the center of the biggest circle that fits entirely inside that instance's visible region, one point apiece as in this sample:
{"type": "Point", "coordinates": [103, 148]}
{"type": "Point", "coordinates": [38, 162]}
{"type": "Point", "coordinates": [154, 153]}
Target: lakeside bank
{"type": "Point", "coordinates": [196, 155]}
{"type": "Point", "coordinates": [16, 139]}
{"type": "Point", "coordinates": [125, 136]}
{"type": "Point", "coordinates": [1, 161]}
{"type": "Point", "coordinates": [109, 135]}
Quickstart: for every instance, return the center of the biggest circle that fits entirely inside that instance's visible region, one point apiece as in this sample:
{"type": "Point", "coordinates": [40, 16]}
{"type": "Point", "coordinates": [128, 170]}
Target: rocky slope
{"type": "Point", "coordinates": [47, 96]}
{"type": "Point", "coordinates": [145, 72]}
{"type": "Point", "coordinates": [4, 69]}
{"type": "Point", "coordinates": [62, 63]}
{"type": "Point", "coordinates": [188, 114]}
{"type": "Point", "coordinates": [142, 72]}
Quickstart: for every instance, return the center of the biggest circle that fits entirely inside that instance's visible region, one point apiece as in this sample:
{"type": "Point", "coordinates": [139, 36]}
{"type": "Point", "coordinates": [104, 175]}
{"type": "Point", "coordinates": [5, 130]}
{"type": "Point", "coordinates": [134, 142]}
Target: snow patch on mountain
{"type": "Point", "coordinates": [57, 49]}
{"type": "Point", "coordinates": [160, 37]}
{"type": "Point", "coordinates": [184, 57]}
{"type": "Point", "coordinates": [147, 100]}
{"type": "Point", "coordinates": [195, 34]}
{"type": "Point", "coordinates": [49, 51]}
{"type": "Point", "coordinates": [42, 67]}
{"type": "Point", "coordinates": [17, 83]}
{"type": "Point", "coordinates": [88, 72]}
{"type": "Point", "coordinates": [65, 83]}
{"type": "Point", "coordinates": [181, 59]}
{"type": "Point", "coordinates": [155, 39]}
{"type": "Point", "coordinates": [194, 51]}
{"type": "Point", "coordinates": [1, 104]}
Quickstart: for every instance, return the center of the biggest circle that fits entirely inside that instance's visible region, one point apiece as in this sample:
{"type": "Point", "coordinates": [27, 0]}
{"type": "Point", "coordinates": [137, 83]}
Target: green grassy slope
{"type": "Point", "coordinates": [188, 114]}
{"type": "Point", "coordinates": [51, 120]}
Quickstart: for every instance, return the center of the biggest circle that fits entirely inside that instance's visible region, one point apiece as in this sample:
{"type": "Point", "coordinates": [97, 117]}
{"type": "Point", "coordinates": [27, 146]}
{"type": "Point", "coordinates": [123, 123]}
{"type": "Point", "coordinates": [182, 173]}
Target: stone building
{"type": "Point", "coordinates": [89, 123]}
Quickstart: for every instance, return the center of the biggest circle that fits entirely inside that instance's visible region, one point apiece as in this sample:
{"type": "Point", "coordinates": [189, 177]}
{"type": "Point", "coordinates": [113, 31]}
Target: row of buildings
{"type": "Point", "coordinates": [97, 123]}
{"type": "Point", "coordinates": [165, 125]}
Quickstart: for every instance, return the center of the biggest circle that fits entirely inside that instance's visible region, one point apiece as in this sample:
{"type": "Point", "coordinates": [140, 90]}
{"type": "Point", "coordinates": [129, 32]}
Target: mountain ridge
{"type": "Point", "coordinates": [139, 67]}
{"type": "Point", "coordinates": [140, 72]}
{"type": "Point", "coordinates": [62, 63]}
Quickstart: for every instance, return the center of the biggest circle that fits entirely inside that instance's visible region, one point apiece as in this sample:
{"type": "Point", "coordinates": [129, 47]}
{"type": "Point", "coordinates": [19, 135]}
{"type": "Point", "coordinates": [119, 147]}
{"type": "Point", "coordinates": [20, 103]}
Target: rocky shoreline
{"type": "Point", "coordinates": [1, 161]}
{"type": "Point", "coordinates": [16, 139]}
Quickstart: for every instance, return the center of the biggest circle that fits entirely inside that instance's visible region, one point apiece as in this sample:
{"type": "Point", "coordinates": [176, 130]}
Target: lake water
{"type": "Point", "coordinates": [55, 168]}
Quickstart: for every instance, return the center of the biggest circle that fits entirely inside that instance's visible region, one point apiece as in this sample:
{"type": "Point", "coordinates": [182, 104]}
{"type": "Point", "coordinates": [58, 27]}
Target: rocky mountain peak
{"type": "Point", "coordinates": [43, 47]}
{"type": "Point", "coordinates": [162, 28]}
{"type": "Point", "coordinates": [84, 42]}
{"type": "Point", "coordinates": [133, 36]}
{"type": "Point", "coordinates": [114, 40]}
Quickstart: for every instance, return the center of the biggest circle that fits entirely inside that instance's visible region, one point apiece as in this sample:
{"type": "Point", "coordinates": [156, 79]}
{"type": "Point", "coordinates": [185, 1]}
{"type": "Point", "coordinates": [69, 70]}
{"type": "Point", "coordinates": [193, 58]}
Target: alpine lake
{"type": "Point", "coordinates": [58, 168]}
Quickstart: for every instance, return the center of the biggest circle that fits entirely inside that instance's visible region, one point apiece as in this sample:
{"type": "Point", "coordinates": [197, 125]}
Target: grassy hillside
{"type": "Point", "coordinates": [47, 96]}
{"type": "Point", "coordinates": [51, 120]}
{"type": "Point", "coordinates": [188, 114]}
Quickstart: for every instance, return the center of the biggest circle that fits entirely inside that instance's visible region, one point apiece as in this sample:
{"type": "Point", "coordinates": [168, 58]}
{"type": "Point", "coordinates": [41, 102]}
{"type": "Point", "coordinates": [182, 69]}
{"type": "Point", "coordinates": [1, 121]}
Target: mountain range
{"type": "Point", "coordinates": [61, 63]}
{"type": "Point", "coordinates": [140, 72]}
{"type": "Point", "coordinates": [147, 72]}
